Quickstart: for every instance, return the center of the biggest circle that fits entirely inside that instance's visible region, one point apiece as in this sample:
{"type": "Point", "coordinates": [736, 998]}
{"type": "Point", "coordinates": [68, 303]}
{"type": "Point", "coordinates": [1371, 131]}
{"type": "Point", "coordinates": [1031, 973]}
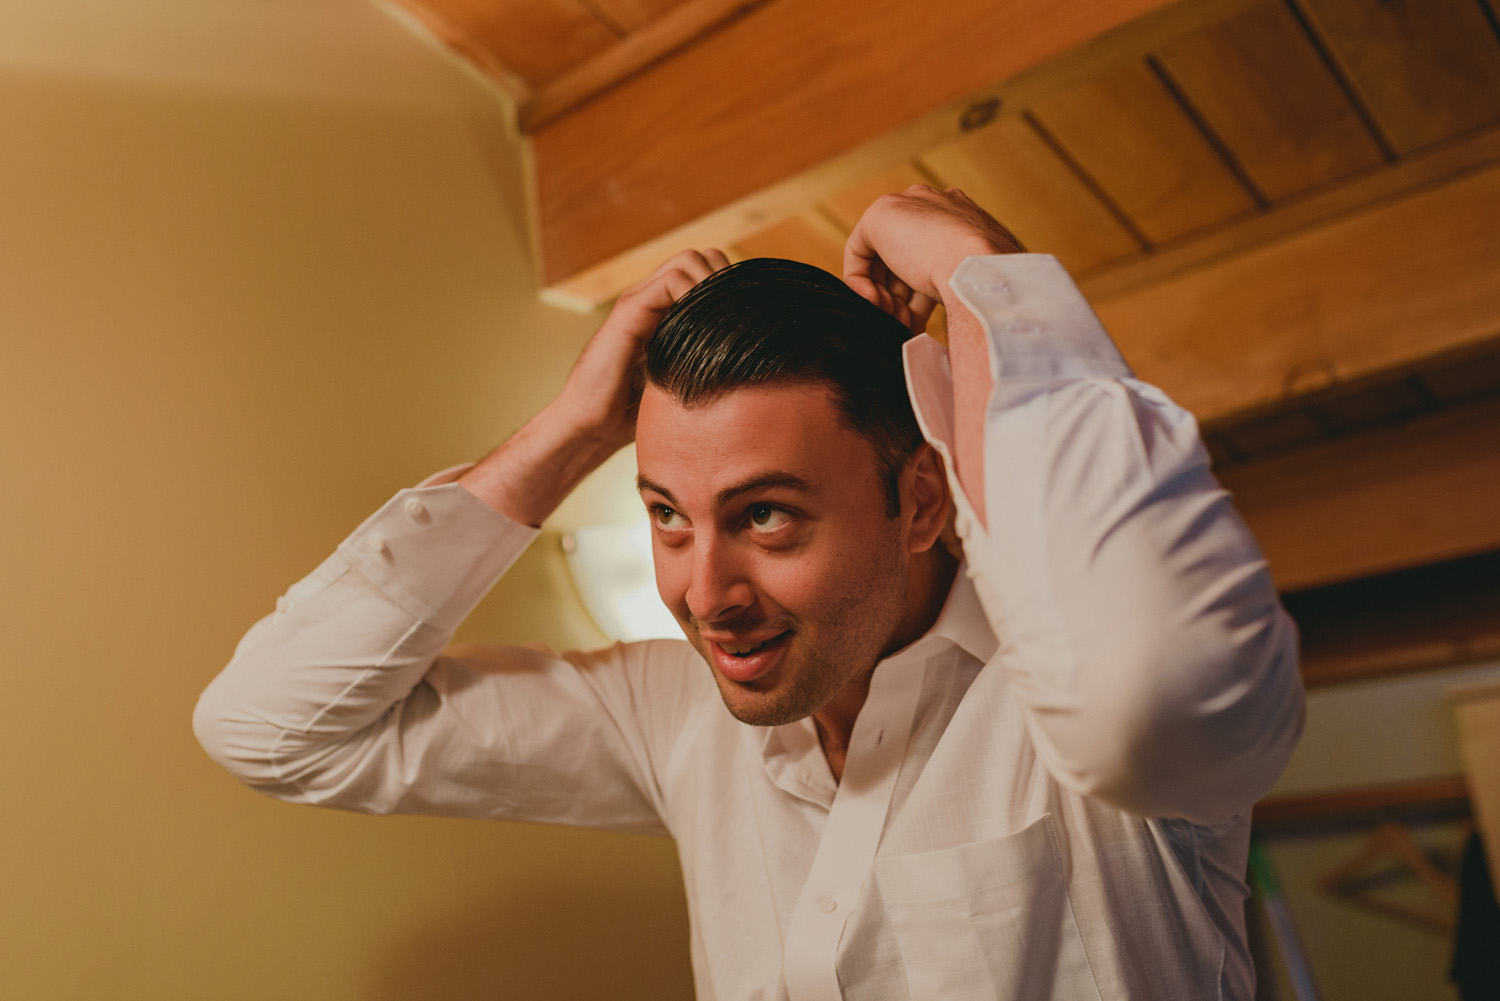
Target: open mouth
{"type": "Point", "coordinates": [747, 662]}
{"type": "Point", "coordinates": [745, 650]}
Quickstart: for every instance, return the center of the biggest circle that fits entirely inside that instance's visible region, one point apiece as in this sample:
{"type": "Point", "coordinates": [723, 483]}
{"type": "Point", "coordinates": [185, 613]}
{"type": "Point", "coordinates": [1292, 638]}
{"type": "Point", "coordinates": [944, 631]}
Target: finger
{"type": "Point", "coordinates": [881, 296]}
{"type": "Point", "coordinates": [859, 254]}
{"type": "Point", "coordinates": [641, 306]}
{"type": "Point", "coordinates": [866, 289]}
{"type": "Point", "coordinates": [897, 287]}
{"type": "Point", "coordinates": [687, 260]}
{"type": "Point", "coordinates": [716, 258]}
{"type": "Point", "coordinates": [920, 308]}
{"type": "Point", "coordinates": [692, 263]}
{"type": "Point", "coordinates": [899, 311]}
{"type": "Point", "coordinates": [680, 282]}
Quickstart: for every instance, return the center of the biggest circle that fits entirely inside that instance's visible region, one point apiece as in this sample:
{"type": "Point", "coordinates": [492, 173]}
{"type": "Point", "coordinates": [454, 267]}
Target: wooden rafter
{"type": "Point", "coordinates": [1374, 290]}
{"type": "Point", "coordinates": [796, 101]}
{"type": "Point", "coordinates": [1377, 502]}
{"type": "Point", "coordinates": [681, 26]}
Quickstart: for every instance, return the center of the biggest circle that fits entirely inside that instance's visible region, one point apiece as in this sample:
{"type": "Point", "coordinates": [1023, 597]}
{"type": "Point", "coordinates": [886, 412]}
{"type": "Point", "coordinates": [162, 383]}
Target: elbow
{"type": "Point", "coordinates": [210, 726]}
{"type": "Point", "coordinates": [1200, 739]}
{"type": "Point", "coordinates": [238, 743]}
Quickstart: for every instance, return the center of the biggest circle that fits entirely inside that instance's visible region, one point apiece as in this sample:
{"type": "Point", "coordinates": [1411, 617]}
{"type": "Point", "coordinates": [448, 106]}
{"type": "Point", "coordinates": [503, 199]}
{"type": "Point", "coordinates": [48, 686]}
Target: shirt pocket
{"type": "Point", "coordinates": [987, 920]}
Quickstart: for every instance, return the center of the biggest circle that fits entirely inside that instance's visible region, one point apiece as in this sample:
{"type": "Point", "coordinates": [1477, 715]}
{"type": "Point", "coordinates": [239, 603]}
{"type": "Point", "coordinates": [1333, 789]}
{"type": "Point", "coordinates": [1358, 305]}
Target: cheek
{"type": "Point", "coordinates": [672, 575]}
{"type": "Point", "coordinates": [801, 584]}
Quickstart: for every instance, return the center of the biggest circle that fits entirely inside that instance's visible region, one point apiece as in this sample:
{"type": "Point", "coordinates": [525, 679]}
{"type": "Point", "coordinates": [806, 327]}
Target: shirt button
{"type": "Point", "coordinates": [376, 544]}
{"type": "Point", "coordinates": [414, 507]}
{"type": "Point", "coordinates": [827, 904]}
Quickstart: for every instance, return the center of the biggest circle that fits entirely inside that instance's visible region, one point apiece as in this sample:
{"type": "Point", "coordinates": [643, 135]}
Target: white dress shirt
{"type": "Point", "coordinates": [1046, 796]}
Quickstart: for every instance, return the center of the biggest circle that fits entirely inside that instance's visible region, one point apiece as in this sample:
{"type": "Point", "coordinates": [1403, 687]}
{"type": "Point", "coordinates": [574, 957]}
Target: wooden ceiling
{"type": "Point", "coordinates": [1287, 212]}
{"type": "Point", "coordinates": [552, 55]}
{"type": "Point", "coordinates": [1265, 121]}
{"type": "Point", "coordinates": [1230, 122]}
{"type": "Point", "coordinates": [1223, 111]}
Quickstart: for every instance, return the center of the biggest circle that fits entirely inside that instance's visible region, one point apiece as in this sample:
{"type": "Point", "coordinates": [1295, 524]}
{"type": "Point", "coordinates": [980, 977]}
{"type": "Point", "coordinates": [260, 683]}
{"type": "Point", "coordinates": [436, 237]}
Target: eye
{"type": "Point", "coordinates": [667, 518]}
{"type": "Point", "coordinates": [767, 517]}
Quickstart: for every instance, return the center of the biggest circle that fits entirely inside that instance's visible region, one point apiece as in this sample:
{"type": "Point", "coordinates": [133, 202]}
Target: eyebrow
{"type": "Point", "coordinates": [760, 481]}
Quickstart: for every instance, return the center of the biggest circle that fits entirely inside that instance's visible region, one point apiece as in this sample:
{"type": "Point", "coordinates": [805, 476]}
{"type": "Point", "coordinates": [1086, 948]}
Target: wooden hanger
{"type": "Point", "coordinates": [1355, 879]}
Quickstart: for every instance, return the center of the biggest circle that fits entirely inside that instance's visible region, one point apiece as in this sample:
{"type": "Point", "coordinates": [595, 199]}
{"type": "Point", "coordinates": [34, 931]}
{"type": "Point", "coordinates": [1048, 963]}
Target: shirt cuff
{"type": "Point", "coordinates": [436, 549]}
{"type": "Point", "coordinates": [1038, 323]}
{"type": "Point", "coordinates": [1038, 326]}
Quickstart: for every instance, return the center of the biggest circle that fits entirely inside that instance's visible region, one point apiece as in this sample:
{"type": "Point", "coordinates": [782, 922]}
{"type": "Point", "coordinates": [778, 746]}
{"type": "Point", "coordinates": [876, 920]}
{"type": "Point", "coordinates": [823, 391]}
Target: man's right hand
{"type": "Point", "coordinates": [601, 393]}
{"type": "Point", "coordinates": [594, 415]}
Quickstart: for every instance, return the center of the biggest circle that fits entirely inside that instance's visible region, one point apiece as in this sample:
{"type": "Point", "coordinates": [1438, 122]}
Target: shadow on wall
{"type": "Point", "coordinates": [540, 941]}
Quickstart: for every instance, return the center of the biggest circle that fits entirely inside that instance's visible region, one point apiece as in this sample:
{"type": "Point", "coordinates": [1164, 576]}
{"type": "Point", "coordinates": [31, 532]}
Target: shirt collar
{"type": "Point", "coordinates": [791, 753]}
{"type": "Point", "coordinates": [962, 622]}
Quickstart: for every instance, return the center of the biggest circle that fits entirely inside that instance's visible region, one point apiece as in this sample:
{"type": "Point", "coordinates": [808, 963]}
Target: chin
{"type": "Point", "coordinates": [767, 711]}
{"type": "Point", "coordinates": [784, 702]}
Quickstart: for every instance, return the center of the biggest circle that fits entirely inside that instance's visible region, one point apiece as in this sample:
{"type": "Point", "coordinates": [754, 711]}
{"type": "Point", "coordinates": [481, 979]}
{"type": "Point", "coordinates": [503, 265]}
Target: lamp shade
{"type": "Point", "coordinates": [612, 570]}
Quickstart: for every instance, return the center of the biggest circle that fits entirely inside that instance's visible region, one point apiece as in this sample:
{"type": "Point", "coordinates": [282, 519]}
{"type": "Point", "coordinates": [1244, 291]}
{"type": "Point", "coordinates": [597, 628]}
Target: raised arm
{"type": "Point", "coordinates": [1136, 617]}
{"type": "Point", "coordinates": [594, 415]}
{"type": "Point", "coordinates": [900, 256]}
{"type": "Point", "coordinates": [348, 694]}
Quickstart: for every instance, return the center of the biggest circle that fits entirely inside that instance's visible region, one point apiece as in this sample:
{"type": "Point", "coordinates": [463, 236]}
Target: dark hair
{"type": "Point", "coordinates": [767, 320]}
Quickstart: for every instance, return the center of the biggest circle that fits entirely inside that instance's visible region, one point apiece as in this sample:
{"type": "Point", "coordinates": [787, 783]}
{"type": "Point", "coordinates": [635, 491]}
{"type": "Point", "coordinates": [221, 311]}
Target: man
{"type": "Point", "coordinates": [1026, 777]}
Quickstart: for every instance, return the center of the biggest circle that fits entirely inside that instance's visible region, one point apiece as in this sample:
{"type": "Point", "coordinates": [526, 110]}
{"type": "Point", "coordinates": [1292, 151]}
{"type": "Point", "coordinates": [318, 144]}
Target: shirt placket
{"type": "Point", "coordinates": [851, 835]}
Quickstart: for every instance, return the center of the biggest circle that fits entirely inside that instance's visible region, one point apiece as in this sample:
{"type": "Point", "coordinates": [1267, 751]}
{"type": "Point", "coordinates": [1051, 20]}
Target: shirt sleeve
{"type": "Point", "coordinates": [348, 694]}
{"type": "Point", "coordinates": [1136, 617]}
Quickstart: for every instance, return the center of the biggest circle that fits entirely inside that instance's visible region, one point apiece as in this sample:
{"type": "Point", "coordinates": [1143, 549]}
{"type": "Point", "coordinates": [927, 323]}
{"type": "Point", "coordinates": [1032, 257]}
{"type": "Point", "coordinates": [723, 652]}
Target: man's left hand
{"type": "Point", "coordinates": [906, 245]}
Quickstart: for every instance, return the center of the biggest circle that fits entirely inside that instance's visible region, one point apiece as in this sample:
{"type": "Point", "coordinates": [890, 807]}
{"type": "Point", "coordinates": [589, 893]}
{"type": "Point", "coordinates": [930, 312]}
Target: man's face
{"type": "Point", "coordinates": [772, 544]}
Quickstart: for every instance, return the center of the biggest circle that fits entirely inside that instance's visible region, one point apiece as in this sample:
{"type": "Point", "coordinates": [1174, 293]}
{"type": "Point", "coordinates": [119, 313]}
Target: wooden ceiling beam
{"type": "Point", "coordinates": [1377, 502]}
{"type": "Point", "coordinates": [1373, 187]}
{"type": "Point", "coordinates": [680, 26]}
{"type": "Point", "coordinates": [1370, 292]}
{"type": "Point", "coordinates": [794, 101]}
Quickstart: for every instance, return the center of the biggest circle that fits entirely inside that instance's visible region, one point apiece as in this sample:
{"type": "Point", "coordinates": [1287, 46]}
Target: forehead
{"type": "Point", "coordinates": [699, 450]}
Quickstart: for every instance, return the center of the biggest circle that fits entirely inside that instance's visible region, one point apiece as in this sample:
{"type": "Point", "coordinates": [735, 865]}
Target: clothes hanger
{"type": "Point", "coordinates": [1355, 879]}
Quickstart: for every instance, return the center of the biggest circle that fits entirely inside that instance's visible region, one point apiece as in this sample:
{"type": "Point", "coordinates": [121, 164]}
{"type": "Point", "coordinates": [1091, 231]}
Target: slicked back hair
{"type": "Point", "coordinates": [767, 321]}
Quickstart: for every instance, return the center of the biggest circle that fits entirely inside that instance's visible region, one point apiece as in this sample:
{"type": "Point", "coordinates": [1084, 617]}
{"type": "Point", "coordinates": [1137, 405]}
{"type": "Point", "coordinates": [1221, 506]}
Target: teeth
{"type": "Point", "coordinates": [740, 651]}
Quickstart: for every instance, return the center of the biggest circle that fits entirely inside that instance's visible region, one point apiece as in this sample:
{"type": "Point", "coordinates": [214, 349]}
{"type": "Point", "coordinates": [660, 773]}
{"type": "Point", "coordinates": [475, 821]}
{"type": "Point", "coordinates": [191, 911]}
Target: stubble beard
{"type": "Point", "coordinates": [857, 628]}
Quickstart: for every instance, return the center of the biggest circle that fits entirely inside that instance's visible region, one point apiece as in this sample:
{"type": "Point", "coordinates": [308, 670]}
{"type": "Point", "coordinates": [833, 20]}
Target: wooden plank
{"type": "Point", "coordinates": [1262, 87]}
{"type": "Point", "coordinates": [682, 25]}
{"type": "Point", "coordinates": [809, 237]}
{"type": "Point", "coordinates": [1427, 71]}
{"type": "Point", "coordinates": [1434, 800]}
{"type": "Point", "coordinates": [1380, 184]}
{"type": "Point", "coordinates": [633, 15]}
{"type": "Point", "coordinates": [845, 207]}
{"type": "Point", "coordinates": [434, 24]}
{"type": "Point", "coordinates": [1022, 181]}
{"type": "Point", "coordinates": [1464, 381]}
{"type": "Point", "coordinates": [719, 139]}
{"type": "Point", "coordinates": [1274, 432]}
{"type": "Point", "coordinates": [1367, 293]}
{"type": "Point", "coordinates": [1430, 617]}
{"type": "Point", "coordinates": [536, 40]}
{"type": "Point", "coordinates": [1127, 133]}
{"type": "Point", "coordinates": [598, 284]}
{"type": "Point", "coordinates": [1377, 502]}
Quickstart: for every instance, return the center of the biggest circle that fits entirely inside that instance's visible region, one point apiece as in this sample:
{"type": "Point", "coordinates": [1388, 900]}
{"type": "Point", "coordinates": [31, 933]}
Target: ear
{"type": "Point", "coordinates": [924, 497]}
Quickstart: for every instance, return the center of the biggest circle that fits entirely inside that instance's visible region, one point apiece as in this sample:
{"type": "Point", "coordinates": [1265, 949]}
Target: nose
{"type": "Point", "coordinates": [718, 586]}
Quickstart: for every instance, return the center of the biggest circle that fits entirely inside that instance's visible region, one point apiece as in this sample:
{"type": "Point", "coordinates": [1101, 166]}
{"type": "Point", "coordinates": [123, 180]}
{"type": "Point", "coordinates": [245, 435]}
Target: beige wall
{"type": "Point", "coordinates": [230, 326]}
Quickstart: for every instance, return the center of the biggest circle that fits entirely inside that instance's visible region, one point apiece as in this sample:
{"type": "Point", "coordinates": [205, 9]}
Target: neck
{"type": "Point", "coordinates": [930, 578]}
